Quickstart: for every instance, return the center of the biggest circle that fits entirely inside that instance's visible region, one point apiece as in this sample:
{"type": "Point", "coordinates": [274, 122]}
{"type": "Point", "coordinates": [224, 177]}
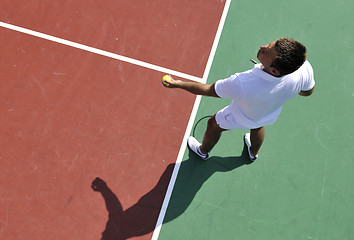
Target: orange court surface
{"type": "Point", "coordinates": [70, 115]}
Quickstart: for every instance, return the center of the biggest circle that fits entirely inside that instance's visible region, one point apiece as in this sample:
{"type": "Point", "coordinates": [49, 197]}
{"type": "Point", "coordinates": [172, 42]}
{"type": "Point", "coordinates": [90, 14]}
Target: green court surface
{"type": "Point", "coordinates": [301, 185]}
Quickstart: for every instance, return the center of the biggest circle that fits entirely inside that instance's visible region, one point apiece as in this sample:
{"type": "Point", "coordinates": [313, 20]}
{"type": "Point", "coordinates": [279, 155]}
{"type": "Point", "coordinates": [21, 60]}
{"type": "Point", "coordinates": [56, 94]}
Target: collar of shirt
{"type": "Point", "coordinates": [264, 75]}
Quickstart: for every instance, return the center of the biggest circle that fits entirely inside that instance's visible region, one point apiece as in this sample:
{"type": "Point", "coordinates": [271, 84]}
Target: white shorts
{"type": "Point", "coordinates": [225, 120]}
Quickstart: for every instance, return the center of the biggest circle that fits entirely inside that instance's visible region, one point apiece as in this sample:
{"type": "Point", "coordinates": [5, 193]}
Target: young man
{"type": "Point", "coordinates": [258, 94]}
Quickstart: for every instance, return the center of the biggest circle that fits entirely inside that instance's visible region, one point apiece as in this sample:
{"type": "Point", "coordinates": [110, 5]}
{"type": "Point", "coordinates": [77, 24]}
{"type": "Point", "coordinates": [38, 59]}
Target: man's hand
{"type": "Point", "coordinates": [171, 84]}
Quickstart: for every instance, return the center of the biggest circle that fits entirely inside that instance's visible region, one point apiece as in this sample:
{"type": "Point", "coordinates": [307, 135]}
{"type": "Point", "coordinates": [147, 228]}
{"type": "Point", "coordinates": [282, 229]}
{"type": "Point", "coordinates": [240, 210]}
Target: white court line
{"type": "Point", "coordinates": [100, 52]}
{"type": "Point", "coordinates": [189, 126]}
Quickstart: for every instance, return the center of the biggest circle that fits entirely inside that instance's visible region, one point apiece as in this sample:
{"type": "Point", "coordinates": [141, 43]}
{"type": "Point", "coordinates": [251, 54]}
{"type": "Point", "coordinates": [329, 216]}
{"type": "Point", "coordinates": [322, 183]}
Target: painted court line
{"type": "Point", "coordinates": [100, 52]}
{"type": "Point", "coordinates": [189, 126]}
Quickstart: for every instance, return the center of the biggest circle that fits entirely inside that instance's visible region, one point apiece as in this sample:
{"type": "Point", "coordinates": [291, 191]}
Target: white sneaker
{"type": "Point", "coordinates": [247, 139]}
{"type": "Point", "coordinates": [194, 145]}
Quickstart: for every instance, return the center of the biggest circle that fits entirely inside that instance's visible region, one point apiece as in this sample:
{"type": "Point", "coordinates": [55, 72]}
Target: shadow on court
{"type": "Point", "coordinates": [141, 218]}
{"type": "Point", "coordinates": [194, 173]}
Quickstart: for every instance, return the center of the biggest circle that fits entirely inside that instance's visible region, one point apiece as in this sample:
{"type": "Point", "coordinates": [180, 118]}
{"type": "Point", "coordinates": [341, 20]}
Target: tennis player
{"type": "Point", "coordinates": [258, 94]}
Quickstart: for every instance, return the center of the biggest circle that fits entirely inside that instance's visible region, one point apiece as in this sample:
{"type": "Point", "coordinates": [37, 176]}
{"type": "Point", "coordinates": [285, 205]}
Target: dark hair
{"type": "Point", "coordinates": [290, 55]}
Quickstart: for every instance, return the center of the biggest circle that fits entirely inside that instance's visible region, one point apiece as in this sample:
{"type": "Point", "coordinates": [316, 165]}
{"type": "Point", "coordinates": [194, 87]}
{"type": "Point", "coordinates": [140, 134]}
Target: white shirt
{"type": "Point", "coordinates": [258, 97]}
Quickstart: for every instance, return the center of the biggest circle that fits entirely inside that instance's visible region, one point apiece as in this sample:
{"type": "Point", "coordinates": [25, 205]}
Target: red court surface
{"type": "Point", "coordinates": [172, 34]}
{"type": "Point", "coordinates": [69, 116]}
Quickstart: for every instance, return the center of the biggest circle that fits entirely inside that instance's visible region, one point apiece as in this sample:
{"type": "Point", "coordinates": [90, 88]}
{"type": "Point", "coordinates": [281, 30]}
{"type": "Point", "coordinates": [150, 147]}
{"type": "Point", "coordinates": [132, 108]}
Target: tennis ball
{"type": "Point", "coordinates": [166, 79]}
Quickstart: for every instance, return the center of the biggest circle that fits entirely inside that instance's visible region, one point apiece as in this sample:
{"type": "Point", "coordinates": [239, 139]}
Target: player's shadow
{"type": "Point", "coordinates": [194, 173]}
{"type": "Point", "coordinates": [141, 218]}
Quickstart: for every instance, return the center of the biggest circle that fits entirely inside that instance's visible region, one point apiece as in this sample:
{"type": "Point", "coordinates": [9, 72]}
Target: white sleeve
{"type": "Point", "coordinates": [308, 79]}
{"type": "Point", "coordinates": [228, 88]}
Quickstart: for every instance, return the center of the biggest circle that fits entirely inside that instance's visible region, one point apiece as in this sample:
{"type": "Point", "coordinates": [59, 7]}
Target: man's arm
{"type": "Point", "coordinates": [193, 87]}
{"type": "Point", "coordinates": [306, 93]}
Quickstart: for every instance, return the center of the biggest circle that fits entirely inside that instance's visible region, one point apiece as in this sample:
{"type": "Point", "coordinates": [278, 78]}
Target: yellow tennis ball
{"type": "Point", "coordinates": [166, 79]}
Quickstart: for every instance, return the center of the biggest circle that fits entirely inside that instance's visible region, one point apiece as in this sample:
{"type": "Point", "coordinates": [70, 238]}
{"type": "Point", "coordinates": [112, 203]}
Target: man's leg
{"type": "Point", "coordinates": [257, 138]}
{"type": "Point", "coordinates": [211, 135]}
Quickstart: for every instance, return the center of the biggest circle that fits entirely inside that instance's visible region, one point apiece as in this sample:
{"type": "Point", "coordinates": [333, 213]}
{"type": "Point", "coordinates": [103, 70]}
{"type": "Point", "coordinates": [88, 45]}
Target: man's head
{"type": "Point", "coordinates": [282, 57]}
